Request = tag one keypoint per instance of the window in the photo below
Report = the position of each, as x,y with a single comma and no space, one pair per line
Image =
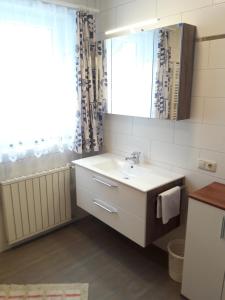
129,68
37,78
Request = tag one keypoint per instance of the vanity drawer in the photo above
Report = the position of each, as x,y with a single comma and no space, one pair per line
113,215
114,193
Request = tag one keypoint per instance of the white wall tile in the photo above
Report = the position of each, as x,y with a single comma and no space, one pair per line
209,20
187,133
169,7
195,179
168,20
135,11
92,3
199,82
209,83
107,4
197,108
214,111
200,135
118,124
109,142
212,137
125,144
106,20
160,164
215,86
153,129
216,54
177,155
201,55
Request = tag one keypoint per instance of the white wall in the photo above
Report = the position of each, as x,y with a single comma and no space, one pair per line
88,3
177,145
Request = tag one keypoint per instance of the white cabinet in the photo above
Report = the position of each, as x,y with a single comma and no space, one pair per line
128,210
121,207
204,260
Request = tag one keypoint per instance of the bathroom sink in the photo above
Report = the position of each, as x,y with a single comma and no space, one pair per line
124,169
143,176
118,167
111,164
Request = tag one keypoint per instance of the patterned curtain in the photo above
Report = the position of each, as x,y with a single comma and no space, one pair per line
163,76
91,85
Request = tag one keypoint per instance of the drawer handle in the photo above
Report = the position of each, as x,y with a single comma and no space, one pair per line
103,182
111,211
222,233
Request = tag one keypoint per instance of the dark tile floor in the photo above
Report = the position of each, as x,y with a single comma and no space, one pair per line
89,251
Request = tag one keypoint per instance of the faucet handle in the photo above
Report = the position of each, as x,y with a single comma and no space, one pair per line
134,157
136,154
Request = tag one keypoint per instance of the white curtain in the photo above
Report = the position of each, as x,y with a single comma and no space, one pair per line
37,78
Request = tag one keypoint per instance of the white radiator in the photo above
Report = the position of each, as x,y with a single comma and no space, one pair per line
36,203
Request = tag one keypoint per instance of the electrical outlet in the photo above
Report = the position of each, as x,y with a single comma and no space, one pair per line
207,165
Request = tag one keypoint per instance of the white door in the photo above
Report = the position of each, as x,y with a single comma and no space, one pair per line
204,260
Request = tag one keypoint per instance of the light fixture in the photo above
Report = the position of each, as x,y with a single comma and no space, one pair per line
132,27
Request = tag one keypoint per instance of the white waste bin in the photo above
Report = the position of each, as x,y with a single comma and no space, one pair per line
176,258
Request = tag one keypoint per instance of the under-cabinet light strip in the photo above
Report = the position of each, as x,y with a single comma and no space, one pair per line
132,26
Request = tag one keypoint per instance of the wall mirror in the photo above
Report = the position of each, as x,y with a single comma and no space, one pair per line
150,72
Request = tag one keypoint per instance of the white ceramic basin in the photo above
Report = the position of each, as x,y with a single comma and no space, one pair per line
143,176
120,168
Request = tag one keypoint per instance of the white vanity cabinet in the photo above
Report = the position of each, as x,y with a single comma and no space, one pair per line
121,207
124,198
204,259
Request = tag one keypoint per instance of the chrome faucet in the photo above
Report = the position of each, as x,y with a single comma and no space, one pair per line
134,157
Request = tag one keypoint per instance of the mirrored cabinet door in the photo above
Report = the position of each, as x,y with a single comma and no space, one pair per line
129,63
150,73
166,73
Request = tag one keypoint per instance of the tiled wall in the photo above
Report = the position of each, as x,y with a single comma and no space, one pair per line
177,145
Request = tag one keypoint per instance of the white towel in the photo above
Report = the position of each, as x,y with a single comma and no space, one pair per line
168,204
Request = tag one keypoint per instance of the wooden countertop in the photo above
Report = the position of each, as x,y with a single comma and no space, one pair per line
212,194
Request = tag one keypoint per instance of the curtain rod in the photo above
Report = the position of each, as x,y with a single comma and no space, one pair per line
70,5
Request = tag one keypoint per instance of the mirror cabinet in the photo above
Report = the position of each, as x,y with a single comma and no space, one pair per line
150,72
